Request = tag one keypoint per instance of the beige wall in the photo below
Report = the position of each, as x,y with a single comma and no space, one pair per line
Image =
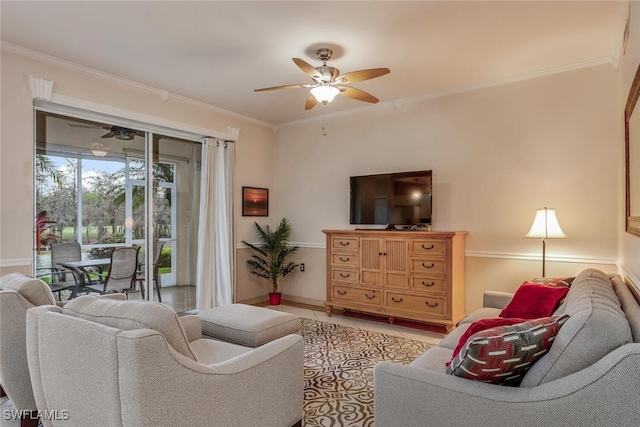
629,244
255,148
497,154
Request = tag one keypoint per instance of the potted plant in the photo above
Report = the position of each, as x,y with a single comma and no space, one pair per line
272,258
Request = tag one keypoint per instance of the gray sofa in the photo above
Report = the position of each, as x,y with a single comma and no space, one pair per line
589,377
133,363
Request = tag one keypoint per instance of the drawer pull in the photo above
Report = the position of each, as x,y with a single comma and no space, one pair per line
344,244
344,259
429,305
396,300
428,266
341,292
344,276
428,248
370,297
428,284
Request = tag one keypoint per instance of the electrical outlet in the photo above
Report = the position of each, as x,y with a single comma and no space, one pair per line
302,266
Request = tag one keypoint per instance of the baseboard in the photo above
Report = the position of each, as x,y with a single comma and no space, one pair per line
303,300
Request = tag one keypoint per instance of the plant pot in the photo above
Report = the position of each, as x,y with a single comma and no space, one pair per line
275,298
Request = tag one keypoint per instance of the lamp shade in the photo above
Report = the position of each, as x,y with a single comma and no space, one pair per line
325,93
545,226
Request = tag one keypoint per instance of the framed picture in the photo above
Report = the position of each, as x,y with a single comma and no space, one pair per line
255,201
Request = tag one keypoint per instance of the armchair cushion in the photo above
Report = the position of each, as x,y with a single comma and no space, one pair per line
131,315
33,290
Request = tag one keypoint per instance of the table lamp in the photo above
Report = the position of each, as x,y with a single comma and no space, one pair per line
545,226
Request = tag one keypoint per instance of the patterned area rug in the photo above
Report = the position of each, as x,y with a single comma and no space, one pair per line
338,371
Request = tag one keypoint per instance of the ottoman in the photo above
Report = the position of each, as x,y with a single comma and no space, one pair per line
247,325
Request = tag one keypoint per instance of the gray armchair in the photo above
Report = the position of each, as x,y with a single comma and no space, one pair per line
18,293
151,368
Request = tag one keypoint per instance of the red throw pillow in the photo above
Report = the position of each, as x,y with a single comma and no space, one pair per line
482,325
532,301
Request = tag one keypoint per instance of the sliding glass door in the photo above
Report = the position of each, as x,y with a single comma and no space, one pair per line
91,188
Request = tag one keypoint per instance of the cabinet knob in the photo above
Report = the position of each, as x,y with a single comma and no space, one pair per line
344,243
396,300
432,306
370,297
342,292
344,259
344,276
428,284
428,266
428,248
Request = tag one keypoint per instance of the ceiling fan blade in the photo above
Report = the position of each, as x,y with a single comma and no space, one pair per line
109,135
362,75
360,95
307,68
311,102
281,87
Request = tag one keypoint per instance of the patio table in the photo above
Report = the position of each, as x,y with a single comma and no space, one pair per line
79,269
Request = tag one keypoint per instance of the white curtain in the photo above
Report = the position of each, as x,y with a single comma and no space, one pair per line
215,269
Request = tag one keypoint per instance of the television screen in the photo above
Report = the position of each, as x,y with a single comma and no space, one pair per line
402,198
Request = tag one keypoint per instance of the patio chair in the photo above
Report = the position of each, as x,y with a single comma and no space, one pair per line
122,273
140,277
61,278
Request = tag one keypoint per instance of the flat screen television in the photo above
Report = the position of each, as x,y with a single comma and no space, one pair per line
402,198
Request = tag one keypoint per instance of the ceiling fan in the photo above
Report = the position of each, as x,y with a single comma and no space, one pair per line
118,132
328,82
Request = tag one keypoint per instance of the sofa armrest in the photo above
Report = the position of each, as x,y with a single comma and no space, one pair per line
407,396
495,299
192,326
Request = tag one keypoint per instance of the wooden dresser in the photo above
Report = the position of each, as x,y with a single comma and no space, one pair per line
415,275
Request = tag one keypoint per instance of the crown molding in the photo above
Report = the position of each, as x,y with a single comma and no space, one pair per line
398,103
163,95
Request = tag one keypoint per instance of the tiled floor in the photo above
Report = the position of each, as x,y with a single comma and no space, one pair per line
364,324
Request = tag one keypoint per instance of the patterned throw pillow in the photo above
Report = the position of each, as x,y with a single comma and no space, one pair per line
532,301
553,281
481,325
503,355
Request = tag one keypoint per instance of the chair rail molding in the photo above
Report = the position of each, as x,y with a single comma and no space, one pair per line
15,262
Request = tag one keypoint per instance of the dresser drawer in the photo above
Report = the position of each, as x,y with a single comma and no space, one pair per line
427,284
428,266
344,244
430,306
428,247
357,295
344,275
344,259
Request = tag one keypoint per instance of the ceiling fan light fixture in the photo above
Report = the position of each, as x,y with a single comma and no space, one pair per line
99,153
325,93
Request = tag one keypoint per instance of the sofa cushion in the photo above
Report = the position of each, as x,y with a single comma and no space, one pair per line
532,301
482,325
503,354
597,326
434,359
33,290
131,315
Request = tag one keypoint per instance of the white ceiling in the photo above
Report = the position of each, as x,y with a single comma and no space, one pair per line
218,52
